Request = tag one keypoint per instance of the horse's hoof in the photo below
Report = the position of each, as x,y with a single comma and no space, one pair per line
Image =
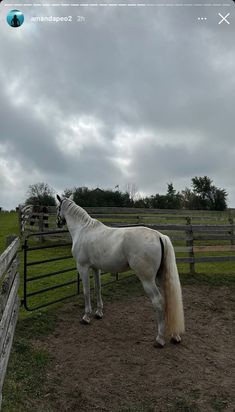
158,345
84,322
98,316
175,341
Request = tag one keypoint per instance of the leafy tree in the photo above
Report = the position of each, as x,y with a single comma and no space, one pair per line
211,197
202,187
173,200
158,201
218,199
170,190
85,197
140,202
204,195
190,200
40,194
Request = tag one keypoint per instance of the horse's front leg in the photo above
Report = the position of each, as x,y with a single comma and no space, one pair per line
84,272
99,311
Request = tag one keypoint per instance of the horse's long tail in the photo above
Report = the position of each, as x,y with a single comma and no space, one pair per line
172,290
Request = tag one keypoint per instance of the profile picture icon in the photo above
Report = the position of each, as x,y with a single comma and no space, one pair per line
15,18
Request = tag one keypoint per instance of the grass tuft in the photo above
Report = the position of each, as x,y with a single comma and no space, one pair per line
26,375
38,325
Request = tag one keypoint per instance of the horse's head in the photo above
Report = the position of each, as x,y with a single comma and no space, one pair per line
60,216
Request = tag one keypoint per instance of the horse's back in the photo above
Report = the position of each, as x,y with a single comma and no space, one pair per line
141,236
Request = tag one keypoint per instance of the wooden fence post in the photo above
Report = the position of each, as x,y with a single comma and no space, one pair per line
189,243
41,227
9,304
231,221
18,209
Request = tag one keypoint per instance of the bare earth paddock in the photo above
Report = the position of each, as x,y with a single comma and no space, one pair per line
112,365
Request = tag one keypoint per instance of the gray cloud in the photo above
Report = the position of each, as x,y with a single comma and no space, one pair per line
142,95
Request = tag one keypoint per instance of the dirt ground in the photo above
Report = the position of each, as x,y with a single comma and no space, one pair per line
111,365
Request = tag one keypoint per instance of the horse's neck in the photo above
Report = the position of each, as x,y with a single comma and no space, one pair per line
75,222
72,225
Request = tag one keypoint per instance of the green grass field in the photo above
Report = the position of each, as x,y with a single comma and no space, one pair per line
8,226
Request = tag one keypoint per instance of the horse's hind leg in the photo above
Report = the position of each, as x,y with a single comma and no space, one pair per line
158,303
99,311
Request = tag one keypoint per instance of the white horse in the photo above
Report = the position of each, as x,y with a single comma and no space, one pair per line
147,252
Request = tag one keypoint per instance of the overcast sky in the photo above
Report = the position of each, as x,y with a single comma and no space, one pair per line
140,95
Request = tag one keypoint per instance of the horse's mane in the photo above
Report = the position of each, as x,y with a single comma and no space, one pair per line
78,213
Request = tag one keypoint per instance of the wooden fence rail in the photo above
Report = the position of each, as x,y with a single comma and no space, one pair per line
192,227
191,234
9,304
40,218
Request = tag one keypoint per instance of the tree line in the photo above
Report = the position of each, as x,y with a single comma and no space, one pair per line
202,195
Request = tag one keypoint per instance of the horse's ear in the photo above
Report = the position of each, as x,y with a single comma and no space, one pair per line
58,198
71,196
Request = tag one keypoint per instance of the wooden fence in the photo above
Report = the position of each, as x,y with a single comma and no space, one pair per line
198,235
33,220
196,241
191,234
9,304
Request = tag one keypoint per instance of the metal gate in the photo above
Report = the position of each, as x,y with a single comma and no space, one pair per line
45,275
